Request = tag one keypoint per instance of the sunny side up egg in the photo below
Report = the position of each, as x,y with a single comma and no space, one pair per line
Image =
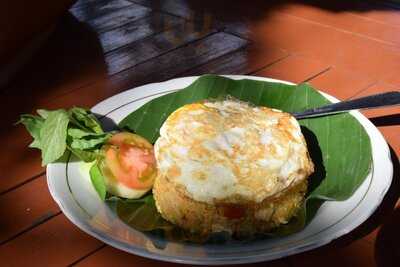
231,152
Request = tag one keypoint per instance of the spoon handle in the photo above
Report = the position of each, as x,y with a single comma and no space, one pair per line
367,102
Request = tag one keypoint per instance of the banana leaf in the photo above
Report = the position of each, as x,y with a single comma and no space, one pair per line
338,144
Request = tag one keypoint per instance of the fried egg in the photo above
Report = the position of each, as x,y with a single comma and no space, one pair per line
231,152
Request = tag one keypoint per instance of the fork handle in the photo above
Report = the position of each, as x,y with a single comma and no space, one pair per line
367,102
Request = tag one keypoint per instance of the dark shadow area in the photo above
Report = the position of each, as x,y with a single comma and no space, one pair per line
106,123
316,155
387,249
384,213
237,10
319,172
247,20
70,58
313,206
387,120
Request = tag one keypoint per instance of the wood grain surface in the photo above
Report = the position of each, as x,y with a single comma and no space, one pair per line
103,47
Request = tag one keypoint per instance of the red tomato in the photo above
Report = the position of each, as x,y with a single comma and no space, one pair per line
129,138
131,161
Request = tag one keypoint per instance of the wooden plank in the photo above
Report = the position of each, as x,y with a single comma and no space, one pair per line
380,11
54,69
56,242
371,19
244,61
68,49
327,44
109,256
342,83
347,21
92,94
178,61
88,10
85,2
392,78
25,207
118,17
137,30
136,53
19,164
357,253
232,17
179,8
294,69
73,45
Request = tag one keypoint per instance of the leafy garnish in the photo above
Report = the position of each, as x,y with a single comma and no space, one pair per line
33,124
56,131
97,179
84,120
53,136
89,142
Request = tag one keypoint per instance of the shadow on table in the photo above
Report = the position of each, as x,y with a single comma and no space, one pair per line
245,11
387,249
388,218
248,19
240,17
385,211
388,120
70,58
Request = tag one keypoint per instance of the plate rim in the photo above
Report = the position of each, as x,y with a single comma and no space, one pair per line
252,259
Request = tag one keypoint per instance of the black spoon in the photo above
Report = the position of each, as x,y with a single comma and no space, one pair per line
367,102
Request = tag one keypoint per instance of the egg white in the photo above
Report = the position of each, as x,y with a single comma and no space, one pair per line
229,151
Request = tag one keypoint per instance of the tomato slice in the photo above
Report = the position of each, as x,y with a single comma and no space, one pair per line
128,176
129,138
136,158
131,161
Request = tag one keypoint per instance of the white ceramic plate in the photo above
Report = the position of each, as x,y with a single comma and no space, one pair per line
72,190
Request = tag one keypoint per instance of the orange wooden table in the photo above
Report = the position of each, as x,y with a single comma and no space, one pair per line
345,48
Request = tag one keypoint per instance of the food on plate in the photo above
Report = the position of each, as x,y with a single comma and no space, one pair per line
230,166
217,165
128,166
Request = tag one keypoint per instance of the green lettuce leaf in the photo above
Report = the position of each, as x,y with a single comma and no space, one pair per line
55,131
53,136
89,142
76,130
98,181
43,113
33,124
86,156
85,120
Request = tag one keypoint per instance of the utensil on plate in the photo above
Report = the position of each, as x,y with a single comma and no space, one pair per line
367,102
